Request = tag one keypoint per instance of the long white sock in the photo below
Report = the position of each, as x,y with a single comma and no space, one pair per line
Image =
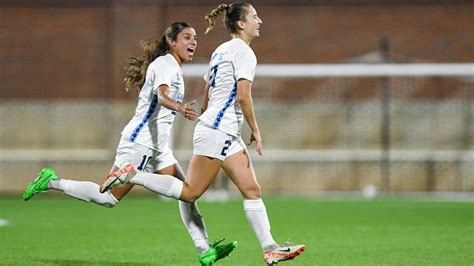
194,222
257,217
165,185
83,190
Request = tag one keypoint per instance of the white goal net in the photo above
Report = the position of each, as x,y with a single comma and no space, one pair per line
344,127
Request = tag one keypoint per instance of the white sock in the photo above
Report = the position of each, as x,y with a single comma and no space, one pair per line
194,222
257,217
83,190
165,185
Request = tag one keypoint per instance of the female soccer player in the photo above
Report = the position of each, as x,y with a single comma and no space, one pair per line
158,78
227,101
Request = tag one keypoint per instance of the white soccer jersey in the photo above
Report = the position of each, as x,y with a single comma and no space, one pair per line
231,61
151,124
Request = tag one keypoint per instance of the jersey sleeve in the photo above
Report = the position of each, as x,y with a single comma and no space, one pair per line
163,74
245,63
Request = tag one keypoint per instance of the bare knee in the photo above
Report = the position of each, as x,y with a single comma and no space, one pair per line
188,198
190,195
252,192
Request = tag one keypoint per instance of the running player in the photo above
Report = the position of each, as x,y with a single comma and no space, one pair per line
227,101
158,78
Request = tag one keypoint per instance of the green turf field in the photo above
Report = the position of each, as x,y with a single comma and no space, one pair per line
148,231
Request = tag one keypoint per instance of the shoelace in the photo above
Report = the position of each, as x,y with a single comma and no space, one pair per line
216,242
287,243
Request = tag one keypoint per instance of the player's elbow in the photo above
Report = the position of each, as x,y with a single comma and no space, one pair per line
161,99
245,100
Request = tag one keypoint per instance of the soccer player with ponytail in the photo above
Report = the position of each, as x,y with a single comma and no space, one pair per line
227,101
158,79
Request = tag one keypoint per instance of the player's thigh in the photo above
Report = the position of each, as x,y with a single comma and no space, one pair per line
201,172
239,168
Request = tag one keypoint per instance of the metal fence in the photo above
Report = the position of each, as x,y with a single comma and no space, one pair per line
322,133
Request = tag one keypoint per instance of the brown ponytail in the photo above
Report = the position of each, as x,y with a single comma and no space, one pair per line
211,17
136,66
233,13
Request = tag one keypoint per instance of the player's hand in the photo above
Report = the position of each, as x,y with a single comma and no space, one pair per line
188,111
255,136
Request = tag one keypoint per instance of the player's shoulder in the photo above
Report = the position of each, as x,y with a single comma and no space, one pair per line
164,64
237,48
166,61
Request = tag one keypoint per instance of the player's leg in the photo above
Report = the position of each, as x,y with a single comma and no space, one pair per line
88,191
190,214
127,151
194,223
83,190
239,168
201,172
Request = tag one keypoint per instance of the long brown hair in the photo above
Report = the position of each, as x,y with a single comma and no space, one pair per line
136,66
232,13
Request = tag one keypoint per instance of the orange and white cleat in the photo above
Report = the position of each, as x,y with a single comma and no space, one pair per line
282,253
118,178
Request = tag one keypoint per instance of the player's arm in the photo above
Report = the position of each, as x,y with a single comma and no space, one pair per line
205,98
165,100
244,91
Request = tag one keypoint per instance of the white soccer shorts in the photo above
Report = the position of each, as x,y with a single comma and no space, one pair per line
214,143
143,158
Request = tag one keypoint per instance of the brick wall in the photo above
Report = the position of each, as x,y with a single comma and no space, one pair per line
75,49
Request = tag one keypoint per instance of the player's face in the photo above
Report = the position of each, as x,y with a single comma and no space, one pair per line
185,45
252,23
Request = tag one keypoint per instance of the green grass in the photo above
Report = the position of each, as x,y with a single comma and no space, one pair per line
148,231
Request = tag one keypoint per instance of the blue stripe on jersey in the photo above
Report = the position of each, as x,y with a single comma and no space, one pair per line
227,104
149,113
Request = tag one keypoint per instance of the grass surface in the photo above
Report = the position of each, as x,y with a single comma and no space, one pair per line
148,231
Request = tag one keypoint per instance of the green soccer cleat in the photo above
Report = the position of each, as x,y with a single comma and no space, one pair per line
40,184
216,252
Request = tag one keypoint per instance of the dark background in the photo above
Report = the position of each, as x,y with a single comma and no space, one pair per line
76,49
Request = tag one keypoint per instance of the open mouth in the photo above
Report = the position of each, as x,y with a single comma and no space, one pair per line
191,50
